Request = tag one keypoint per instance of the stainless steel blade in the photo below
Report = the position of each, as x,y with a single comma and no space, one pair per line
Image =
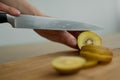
48,23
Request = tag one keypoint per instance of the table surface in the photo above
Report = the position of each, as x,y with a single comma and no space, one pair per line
32,62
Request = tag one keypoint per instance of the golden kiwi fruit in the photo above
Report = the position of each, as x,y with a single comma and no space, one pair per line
90,63
98,53
68,64
91,53
99,49
88,38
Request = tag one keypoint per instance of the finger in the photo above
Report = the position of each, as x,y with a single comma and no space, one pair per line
9,10
68,39
63,37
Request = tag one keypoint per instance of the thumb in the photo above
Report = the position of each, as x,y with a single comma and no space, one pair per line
9,10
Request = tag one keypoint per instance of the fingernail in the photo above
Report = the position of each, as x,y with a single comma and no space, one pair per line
17,12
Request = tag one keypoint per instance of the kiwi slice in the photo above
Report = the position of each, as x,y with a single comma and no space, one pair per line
68,64
98,53
88,38
95,56
97,49
90,63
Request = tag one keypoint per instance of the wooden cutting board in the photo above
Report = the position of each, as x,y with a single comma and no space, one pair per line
39,68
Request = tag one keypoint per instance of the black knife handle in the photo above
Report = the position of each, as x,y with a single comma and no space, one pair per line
3,18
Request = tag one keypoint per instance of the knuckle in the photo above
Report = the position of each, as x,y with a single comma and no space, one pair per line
10,9
1,6
5,8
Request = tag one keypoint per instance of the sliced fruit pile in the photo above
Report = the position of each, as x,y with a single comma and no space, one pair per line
97,53
91,53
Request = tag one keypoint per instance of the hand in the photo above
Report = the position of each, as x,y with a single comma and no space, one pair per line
9,10
68,38
65,37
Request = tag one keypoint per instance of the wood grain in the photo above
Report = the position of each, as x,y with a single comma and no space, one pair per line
39,68
20,52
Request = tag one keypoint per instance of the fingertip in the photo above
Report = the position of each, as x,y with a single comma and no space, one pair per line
73,44
16,12
69,40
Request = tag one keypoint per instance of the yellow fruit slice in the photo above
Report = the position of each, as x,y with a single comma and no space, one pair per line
98,53
97,49
88,38
96,56
68,64
90,63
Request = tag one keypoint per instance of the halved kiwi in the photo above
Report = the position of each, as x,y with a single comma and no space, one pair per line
88,38
68,64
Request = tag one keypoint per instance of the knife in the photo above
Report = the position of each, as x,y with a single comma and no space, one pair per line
45,23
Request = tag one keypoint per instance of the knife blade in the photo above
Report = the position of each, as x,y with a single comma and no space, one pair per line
47,23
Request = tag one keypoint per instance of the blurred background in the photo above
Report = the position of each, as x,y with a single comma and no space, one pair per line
103,13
